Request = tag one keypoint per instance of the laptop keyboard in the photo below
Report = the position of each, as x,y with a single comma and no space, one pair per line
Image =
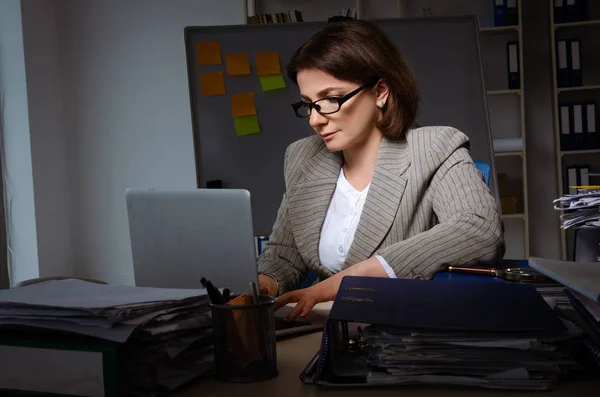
280,324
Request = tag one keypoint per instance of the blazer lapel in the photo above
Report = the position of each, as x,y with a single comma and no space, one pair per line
309,201
385,192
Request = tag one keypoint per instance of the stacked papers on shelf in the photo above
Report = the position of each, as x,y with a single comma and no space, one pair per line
581,209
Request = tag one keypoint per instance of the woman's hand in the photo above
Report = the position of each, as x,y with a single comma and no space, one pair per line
326,290
266,285
307,298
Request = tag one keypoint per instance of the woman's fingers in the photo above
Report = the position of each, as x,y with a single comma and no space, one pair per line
285,299
296,310
308,306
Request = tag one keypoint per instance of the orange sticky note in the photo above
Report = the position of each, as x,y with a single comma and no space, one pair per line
212,83
237,64
243,104
209,52
267,63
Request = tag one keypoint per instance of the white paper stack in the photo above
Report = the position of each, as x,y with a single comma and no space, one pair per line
581,209
165,335
498,361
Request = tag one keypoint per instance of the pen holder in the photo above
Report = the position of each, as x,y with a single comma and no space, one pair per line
244,341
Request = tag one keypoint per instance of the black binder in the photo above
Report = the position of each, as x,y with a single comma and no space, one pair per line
560,11
438,305
513,65
576,10
576,77
563,63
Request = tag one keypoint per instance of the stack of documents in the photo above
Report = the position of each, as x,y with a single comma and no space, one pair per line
491,360
581,209
164,336
582,282
406,332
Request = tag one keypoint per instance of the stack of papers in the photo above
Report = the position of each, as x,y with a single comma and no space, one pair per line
581,209
582,282
517,361
165,334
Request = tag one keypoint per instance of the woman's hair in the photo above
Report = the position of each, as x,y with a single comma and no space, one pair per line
362,53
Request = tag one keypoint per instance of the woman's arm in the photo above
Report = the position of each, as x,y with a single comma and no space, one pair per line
469,230
280,265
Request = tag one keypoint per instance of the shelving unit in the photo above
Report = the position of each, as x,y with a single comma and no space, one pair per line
506,106
588,32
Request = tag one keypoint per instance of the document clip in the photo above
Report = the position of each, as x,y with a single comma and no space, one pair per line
351,299
359,289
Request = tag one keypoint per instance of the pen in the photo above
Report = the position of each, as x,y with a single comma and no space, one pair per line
213,293
254,292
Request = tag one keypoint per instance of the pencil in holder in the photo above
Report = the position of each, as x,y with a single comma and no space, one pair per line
244,341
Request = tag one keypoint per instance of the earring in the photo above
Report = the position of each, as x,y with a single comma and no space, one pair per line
380,104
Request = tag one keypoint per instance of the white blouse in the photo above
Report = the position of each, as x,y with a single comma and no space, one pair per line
340,226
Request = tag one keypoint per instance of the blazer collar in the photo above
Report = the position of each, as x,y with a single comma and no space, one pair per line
310,198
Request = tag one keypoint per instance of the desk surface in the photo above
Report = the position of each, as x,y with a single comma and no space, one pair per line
293,355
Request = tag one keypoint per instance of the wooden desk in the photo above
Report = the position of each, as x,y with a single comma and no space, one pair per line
293,355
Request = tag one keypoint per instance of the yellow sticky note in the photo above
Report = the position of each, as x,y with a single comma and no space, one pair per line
243,104
212,83
209,52
237,64
269,83
267,63
246,125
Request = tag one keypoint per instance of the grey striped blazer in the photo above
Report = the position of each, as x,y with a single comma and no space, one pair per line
427,206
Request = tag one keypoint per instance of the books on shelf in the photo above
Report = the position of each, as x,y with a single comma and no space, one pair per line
291,16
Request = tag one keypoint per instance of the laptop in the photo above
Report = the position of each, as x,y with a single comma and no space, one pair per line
179,236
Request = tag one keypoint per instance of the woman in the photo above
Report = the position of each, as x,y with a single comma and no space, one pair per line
369,194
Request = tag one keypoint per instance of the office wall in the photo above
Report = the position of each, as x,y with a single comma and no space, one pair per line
44,67
127,114
23,254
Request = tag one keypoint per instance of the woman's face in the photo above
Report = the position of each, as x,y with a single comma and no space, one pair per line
354,123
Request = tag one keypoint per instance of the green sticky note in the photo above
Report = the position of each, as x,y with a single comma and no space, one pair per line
272,82
246,125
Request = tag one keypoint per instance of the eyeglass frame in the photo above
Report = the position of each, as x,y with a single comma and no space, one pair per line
341,100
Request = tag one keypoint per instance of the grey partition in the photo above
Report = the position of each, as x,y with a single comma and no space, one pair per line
442,51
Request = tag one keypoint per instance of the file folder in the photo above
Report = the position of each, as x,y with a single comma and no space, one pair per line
562,64
576,78
438,308
512,13
565,118
584,175
590,118
499,12
560,11
512,57
578,138
592,136
572,176
576,10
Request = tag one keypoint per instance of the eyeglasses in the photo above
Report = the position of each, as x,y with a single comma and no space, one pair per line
324,106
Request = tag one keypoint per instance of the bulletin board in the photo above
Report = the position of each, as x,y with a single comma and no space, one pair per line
240,97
